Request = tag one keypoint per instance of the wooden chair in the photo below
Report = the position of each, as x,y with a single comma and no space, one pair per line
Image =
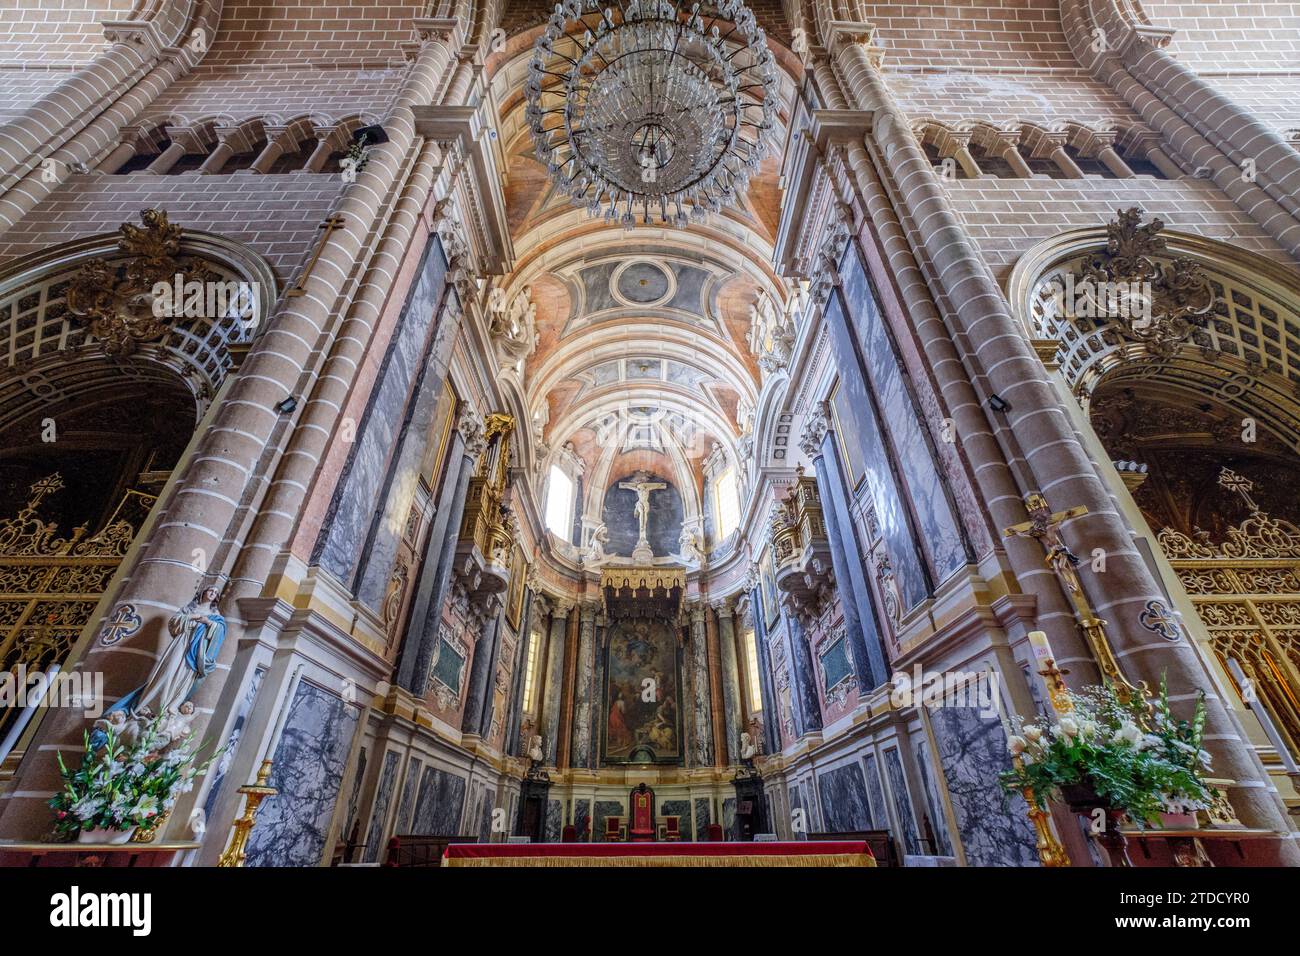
715,833
615,830
672,829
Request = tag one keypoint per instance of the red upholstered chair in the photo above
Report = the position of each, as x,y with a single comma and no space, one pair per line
570,834
615,831
672,828
715,832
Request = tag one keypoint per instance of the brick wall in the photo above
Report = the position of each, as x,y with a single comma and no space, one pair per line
312,31
952,96
1006,217
277,216
55,31
20,87
290,91
1226,35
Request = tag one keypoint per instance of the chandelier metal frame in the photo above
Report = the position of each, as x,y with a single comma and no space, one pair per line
648,108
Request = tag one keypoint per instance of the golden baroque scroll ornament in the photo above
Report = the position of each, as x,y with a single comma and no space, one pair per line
1175,290
115,298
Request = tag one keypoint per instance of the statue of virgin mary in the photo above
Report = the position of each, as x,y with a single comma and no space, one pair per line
197,631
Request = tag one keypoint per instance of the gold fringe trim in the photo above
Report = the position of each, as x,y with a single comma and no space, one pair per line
799,859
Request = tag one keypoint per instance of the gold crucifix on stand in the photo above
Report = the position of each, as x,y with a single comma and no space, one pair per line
1045,526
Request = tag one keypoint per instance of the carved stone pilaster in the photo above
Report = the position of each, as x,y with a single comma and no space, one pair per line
815,427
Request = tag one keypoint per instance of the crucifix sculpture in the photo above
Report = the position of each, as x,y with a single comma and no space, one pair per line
642,485
1045,526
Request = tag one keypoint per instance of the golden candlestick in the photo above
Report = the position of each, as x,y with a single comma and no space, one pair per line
254,793
1050,851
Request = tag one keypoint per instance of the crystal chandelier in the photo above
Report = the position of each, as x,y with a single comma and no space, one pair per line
647,108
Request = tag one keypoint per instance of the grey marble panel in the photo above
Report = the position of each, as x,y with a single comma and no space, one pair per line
902,801
844,799
681,809
554,821
865,453
307,770
703,817
383,795
236,731
935,516
582,819
798,830
485,816
729,818
933,803
604,810
875,793
410,788
352,509
993,828
439,805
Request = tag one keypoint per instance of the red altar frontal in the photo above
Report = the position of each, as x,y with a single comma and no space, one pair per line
838,853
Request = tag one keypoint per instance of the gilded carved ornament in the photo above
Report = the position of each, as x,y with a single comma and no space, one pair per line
115,298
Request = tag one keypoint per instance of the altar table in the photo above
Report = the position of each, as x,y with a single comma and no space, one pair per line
838,853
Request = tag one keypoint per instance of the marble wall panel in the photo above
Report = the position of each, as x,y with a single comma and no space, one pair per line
993,828
310,760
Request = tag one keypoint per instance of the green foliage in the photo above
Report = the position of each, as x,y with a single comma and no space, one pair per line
1137,756
121,786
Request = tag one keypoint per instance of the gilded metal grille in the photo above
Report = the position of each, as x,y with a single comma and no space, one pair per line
1247,593
50,584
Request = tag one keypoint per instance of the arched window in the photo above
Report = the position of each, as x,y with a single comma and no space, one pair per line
727,502
749,649
530,672
559,503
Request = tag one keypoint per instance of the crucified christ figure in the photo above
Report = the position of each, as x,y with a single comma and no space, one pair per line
642,485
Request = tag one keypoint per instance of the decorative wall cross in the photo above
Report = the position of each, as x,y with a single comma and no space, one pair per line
329,225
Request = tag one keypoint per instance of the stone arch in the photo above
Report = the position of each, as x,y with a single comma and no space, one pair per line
1245,353
47,353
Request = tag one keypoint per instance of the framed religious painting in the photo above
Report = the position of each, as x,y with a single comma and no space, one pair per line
515,596
853,464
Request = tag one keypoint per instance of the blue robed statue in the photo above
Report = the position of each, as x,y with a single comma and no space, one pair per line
197,631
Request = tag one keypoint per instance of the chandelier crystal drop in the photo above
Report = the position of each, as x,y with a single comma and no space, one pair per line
651,110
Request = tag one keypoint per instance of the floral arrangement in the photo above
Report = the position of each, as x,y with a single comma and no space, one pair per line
1132,754
128,781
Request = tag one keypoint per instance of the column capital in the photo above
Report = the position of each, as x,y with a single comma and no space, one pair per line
447,30
722,607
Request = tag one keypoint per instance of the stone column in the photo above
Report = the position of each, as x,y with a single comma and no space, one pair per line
771,713
584,708
1000,355
325,148
701,693
478,693
553,682
717,709
168,158
567,690
803,678
730,676
277,144
1112,161
221,153
435,573
818,443
119,157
